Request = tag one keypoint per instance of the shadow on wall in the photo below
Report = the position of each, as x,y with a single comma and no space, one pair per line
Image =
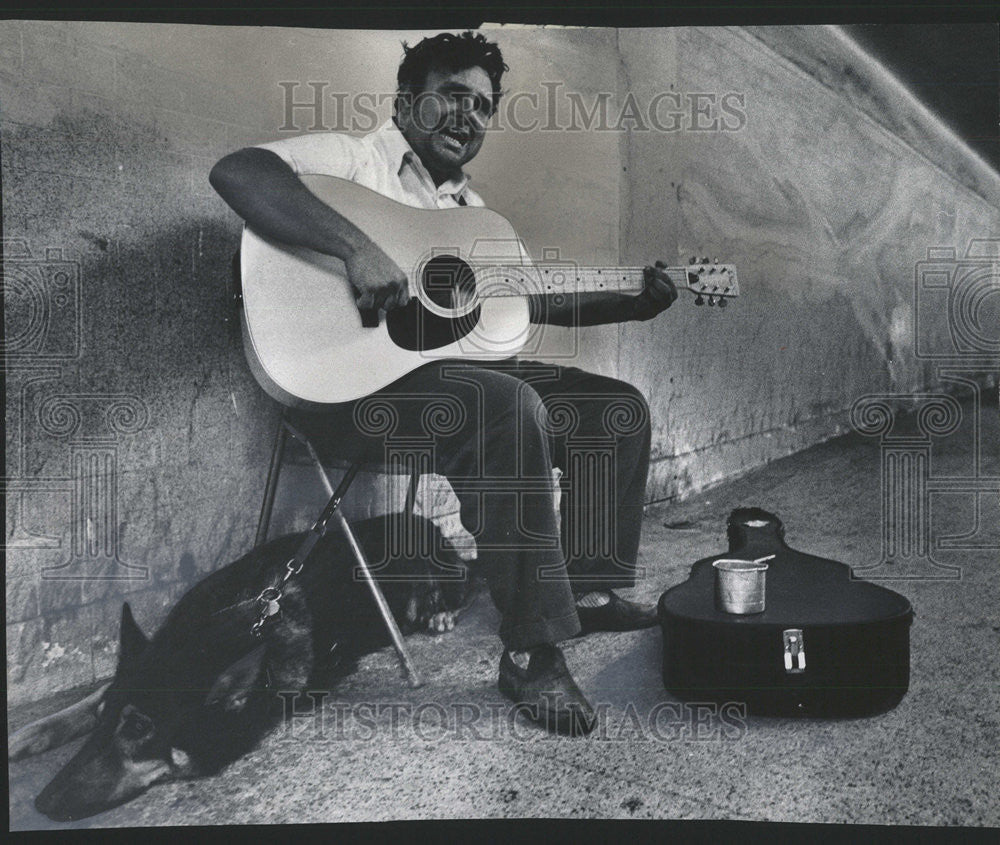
137,460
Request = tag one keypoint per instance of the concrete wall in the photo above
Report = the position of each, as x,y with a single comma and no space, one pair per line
826,199
137,442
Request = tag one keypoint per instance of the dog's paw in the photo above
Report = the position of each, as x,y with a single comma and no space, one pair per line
30,740
439,623
425,611
49,732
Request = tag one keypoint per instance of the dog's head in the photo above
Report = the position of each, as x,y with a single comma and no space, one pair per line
149,722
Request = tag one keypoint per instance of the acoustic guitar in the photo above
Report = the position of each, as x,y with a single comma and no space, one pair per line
469,276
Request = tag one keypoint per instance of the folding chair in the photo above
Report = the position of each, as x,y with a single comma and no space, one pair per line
332,508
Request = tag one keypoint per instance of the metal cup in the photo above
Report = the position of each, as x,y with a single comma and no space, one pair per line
739,585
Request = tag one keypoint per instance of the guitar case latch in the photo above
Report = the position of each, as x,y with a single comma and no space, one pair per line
795,650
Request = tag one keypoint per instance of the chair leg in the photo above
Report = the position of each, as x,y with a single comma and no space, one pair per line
359,555
411,493
274,471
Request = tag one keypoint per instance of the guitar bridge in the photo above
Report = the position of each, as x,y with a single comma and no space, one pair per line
795,650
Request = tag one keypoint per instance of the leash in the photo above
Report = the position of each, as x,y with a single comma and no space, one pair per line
269,600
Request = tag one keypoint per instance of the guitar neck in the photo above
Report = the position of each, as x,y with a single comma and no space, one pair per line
516,280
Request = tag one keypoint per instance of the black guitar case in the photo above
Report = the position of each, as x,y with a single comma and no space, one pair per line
825,645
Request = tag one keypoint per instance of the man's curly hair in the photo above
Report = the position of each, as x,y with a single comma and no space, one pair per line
450,52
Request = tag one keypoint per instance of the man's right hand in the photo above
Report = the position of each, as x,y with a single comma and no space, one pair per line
377,280
264,191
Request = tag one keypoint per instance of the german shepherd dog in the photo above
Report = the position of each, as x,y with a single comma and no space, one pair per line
202,691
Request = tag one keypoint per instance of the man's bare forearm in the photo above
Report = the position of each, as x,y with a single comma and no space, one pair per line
581,309
266,193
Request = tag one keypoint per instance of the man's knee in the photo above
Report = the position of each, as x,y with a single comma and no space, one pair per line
531,407
626,412
507,402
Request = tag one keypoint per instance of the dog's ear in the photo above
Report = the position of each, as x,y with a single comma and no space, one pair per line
235,683
132,640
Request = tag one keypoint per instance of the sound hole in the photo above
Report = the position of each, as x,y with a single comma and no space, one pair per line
449,283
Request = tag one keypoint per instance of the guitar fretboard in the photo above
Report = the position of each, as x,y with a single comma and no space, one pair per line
515,280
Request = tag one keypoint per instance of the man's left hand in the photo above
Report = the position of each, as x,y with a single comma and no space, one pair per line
658,294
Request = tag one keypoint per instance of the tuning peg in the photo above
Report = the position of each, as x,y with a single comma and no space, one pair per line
722,302
704,260
698,300
711,301
694,259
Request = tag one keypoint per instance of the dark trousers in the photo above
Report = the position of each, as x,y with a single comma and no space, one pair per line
495,431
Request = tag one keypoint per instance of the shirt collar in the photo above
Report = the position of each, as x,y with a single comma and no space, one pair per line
398,149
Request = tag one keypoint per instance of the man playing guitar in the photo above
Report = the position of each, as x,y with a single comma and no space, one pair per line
449,87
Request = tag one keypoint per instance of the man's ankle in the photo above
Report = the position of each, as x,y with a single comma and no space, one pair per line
521,657
592,598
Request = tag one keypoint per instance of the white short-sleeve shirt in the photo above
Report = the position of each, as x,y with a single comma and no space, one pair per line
382,161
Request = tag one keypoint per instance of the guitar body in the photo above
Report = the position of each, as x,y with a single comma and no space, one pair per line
469,279
303,334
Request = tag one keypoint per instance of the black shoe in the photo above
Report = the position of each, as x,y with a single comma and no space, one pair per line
617,615
552,697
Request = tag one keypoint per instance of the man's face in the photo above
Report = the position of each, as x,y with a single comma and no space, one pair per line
446,123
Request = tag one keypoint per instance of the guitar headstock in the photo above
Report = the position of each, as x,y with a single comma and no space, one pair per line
711,281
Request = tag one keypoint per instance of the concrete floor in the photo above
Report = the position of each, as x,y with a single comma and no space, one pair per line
930,761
